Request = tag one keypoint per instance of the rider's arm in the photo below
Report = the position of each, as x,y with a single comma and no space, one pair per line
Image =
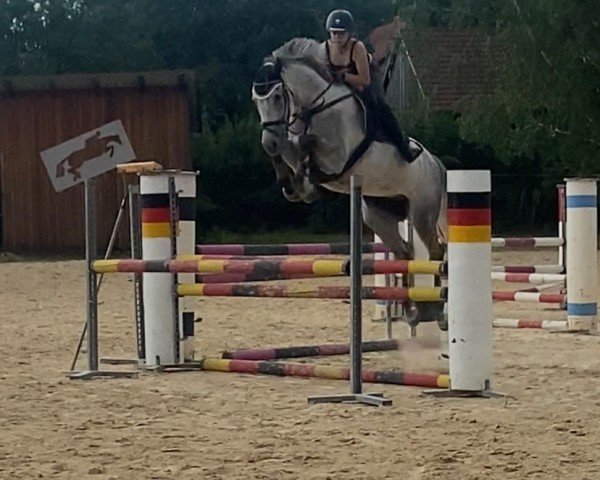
361,59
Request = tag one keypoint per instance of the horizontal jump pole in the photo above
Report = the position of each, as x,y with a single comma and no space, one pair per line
288,249
274,353
318,268
525,243
250,277
290,369
538,278
556,325
258,257
542,288
528,297
344,248
552,269
414,294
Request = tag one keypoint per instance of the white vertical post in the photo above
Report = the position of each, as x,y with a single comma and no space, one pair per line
470,310
582,251
562,224
161,337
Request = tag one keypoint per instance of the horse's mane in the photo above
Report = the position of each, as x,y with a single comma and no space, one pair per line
306,51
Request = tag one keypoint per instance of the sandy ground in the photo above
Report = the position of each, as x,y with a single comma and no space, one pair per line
205,425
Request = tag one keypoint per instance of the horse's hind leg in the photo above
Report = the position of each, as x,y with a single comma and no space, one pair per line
424,219
383,215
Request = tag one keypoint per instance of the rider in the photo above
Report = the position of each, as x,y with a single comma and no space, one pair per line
349,62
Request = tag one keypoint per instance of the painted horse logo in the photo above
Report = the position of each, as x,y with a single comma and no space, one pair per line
95,146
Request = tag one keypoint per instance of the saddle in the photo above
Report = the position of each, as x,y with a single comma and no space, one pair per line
376,131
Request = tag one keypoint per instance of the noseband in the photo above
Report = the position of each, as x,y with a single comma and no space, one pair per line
270,87
288,119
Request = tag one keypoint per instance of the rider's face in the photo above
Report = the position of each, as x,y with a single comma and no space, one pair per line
338,37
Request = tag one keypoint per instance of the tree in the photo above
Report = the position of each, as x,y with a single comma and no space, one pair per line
545,110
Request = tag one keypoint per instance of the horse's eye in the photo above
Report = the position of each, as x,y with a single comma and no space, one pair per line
277,97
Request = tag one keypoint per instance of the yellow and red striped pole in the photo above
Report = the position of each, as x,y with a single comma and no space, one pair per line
293,369
470,309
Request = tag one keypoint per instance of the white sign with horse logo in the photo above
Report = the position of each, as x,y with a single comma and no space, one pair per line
87,155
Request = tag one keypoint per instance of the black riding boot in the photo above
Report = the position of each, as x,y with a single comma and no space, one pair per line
390,124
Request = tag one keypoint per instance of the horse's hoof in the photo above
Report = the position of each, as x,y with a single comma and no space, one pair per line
411,316
443,324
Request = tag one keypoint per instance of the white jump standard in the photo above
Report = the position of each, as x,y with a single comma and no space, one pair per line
470,308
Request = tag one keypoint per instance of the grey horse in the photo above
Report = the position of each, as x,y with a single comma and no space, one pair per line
319,130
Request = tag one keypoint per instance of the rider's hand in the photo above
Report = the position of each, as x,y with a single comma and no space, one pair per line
338,77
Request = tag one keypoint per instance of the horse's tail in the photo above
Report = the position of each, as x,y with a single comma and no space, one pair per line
442,221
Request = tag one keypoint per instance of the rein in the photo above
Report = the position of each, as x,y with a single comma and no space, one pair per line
306,115
283,120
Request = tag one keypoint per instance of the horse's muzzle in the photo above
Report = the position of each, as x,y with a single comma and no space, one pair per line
271,142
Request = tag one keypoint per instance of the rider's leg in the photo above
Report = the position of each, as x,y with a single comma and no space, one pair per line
388,120
390,124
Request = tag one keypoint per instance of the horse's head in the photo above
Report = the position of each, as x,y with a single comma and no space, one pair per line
273,105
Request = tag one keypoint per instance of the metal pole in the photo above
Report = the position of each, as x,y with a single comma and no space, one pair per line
356,395
90,255
135,233
174,226
92,286
356,286
109,249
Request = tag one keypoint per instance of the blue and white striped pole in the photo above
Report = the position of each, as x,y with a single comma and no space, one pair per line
582,248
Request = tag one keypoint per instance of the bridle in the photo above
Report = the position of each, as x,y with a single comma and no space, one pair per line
306,114
318,105
284,118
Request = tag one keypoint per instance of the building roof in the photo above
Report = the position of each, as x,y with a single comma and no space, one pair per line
184,79
382,38
451,65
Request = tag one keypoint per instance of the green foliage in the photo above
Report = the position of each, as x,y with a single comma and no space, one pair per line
545,112
237,191
541,123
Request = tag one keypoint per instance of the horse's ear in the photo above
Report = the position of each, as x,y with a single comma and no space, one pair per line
273,62
278,66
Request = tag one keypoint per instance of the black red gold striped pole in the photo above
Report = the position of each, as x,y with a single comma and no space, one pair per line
168,200
470,314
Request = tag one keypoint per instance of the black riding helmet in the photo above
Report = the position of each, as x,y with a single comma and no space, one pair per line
339,21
